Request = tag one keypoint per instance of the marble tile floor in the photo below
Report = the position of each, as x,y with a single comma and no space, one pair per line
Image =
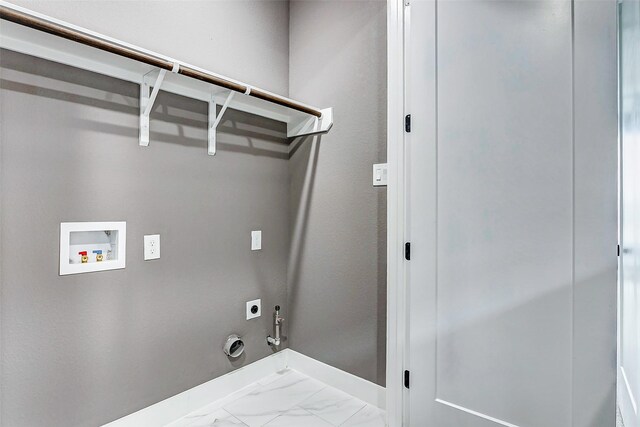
286,399
619,422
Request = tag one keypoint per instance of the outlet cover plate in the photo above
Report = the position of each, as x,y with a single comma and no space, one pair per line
151,247
250,304
256,240
380,172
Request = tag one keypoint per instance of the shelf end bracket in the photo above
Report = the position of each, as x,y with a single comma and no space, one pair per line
310,125
214,121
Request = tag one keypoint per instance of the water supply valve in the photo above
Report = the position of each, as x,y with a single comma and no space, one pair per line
85,258
99,256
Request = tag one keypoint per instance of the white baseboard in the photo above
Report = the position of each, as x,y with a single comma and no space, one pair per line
175,407
349,383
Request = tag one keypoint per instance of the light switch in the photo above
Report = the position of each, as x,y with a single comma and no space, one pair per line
151,247
256,240
380,175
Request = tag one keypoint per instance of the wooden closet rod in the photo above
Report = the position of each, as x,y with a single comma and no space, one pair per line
98,43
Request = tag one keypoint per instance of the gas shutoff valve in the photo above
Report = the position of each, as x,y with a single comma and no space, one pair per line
275,341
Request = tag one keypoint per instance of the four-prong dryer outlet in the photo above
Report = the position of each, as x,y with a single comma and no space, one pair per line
254,309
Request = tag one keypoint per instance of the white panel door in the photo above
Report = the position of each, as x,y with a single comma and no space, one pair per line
629,350
511,213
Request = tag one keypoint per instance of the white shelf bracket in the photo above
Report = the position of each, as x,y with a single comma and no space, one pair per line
214,121
311,125
147,99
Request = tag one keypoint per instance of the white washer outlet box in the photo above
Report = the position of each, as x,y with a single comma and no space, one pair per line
254,309
256,240
151,247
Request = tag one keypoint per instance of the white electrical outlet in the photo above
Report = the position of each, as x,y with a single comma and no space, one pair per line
254,309
256,240
151,247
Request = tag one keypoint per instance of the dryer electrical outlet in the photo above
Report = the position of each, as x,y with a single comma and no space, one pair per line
254,309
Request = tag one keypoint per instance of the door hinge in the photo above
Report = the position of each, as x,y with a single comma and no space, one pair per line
406,378
407,251
407,123
618,250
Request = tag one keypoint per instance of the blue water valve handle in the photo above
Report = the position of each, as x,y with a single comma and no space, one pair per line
99,256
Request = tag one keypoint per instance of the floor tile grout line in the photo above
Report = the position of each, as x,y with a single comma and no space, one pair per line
360,410
242,423
262,386
338,425
315,415
349,397
289,410
284,411
217,405
196,419
314,394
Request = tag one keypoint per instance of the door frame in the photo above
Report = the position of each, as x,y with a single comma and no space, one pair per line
625,397
396,232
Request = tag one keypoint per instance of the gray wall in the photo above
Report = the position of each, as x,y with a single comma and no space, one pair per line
86,349
337,270
246,40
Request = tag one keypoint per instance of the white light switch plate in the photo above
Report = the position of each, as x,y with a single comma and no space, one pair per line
380,175
256,240
250,304
151,247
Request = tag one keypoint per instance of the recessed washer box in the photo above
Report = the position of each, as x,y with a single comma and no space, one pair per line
92,246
